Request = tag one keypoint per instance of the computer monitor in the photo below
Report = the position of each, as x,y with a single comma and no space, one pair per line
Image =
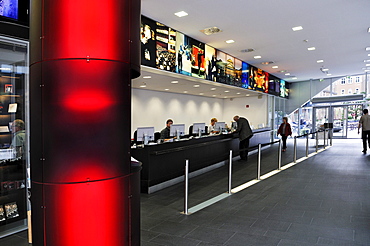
199,126
219,126
142,131
174,128
234,125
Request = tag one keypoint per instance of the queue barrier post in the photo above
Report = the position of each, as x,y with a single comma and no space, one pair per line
307,145
186,211
295,150
259,163
230,170
279,155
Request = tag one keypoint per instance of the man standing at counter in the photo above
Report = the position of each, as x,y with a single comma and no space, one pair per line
165,133
245,133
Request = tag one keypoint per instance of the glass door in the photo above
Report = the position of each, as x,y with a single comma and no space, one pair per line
340,121
321,116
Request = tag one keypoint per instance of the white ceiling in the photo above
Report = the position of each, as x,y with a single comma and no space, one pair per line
338,29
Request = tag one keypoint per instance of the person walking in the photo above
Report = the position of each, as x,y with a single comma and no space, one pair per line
284,130
364,123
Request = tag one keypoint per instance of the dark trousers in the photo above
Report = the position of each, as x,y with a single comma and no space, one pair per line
243,149
365,138
283,138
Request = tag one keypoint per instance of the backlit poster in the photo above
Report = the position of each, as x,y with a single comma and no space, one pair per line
229,70
221,66
245,75
165,45
258,80
274,86
183,54
238,72
198,68
210,60
283,89
148,43
9,8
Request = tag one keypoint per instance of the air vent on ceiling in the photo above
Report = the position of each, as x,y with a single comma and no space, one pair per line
247,50
211,30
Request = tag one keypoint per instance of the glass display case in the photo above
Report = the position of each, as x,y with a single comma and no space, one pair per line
14,158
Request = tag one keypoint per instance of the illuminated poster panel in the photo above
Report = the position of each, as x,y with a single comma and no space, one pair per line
221,67
166,45
245,75
9,8
210,59
198,68
258,80
183,54
229,70
284,89
274,86
238,72
148,43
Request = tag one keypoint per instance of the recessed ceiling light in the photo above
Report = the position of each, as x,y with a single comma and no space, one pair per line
247,95
275,66
225,97
368,30
320,61
212,89
213,95
297,28
311,48
266,63
367,65
329,74
201,93
185,91
227,91
325,69
181,14
257,57
294,78
368,54
147,77
211,30
142,86
166,89
366,60
174,82
196,85
230,41
238,93
287,74
367,70
282,71
367,48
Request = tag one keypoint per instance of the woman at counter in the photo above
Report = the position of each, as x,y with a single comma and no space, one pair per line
211,127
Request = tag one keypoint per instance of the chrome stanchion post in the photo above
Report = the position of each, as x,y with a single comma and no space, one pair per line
331,136
295,150
317,141
259,163
324,138
279,155
307,145
186,211
230,169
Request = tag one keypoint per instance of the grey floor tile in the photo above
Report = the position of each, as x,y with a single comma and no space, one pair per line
242,239
210,235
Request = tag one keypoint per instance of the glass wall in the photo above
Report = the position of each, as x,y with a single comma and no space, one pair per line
14,158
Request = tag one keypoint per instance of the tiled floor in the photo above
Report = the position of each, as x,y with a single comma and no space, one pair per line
324,200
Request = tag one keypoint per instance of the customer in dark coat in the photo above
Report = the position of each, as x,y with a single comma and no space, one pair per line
284,130
245,133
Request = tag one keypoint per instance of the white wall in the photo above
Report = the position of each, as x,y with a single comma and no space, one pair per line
256,113
152,108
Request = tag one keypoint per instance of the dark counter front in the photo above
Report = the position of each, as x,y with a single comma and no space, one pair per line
165,162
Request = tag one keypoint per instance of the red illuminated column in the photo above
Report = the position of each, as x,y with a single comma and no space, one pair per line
83,56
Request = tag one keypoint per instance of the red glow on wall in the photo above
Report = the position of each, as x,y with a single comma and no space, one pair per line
88,213
88,101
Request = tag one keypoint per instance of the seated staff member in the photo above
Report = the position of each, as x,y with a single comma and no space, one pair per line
211,127
165,133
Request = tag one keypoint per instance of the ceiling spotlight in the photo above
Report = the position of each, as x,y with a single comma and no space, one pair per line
367,48
324,69
201,93
174,82
257,57
196,85
368,30
166,89
329,74
297,28
185,91
212,89
147,77
320,61
275,67
143,85
230,41
282,71
287,74
238,93
366,60
311,48
267,63
227,91
294,78
247,95
181,14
